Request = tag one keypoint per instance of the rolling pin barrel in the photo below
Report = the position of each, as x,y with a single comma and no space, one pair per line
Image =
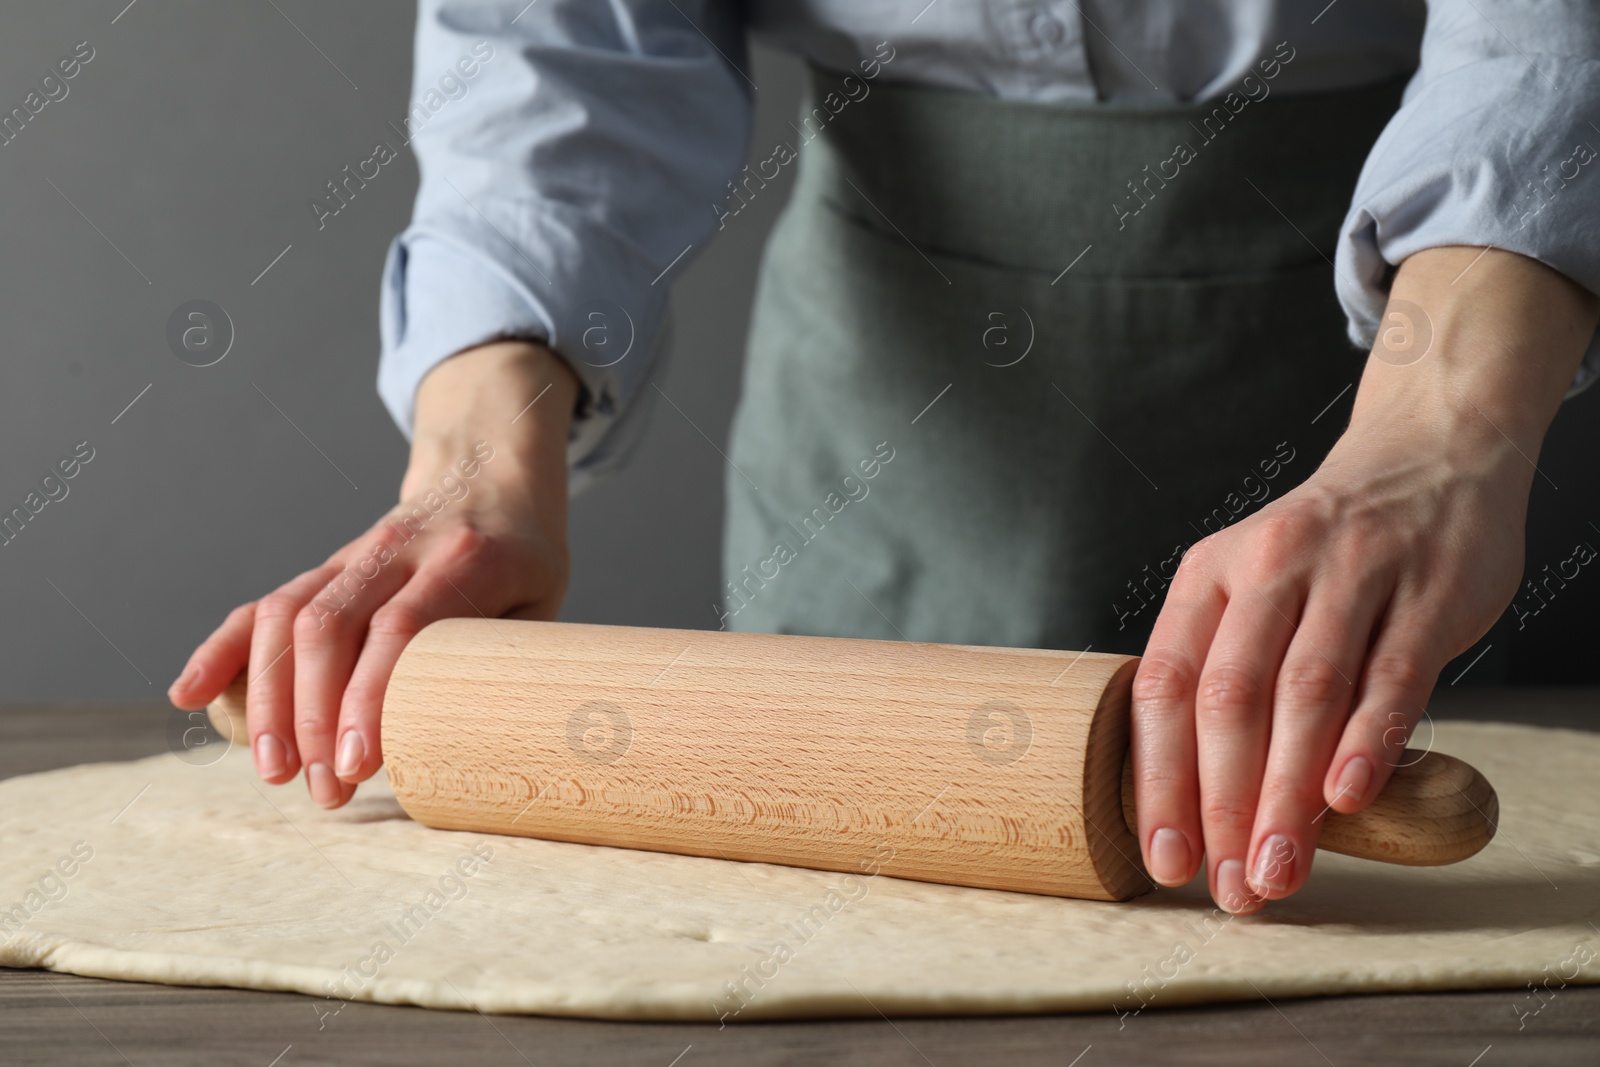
999,768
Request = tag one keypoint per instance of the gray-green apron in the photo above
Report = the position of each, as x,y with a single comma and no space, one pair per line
1008,359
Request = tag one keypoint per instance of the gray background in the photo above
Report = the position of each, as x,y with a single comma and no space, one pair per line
192,142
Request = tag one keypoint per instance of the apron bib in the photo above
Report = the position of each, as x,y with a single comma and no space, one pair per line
1008,360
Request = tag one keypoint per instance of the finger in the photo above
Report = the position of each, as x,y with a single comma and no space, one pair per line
269,699
454,585
1311,703
213,666
1233,725
328,632
1166,785
1391,698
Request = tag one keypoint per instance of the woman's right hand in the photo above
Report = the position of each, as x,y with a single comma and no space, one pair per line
480,532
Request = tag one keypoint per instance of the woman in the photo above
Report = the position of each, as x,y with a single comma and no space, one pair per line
1048,310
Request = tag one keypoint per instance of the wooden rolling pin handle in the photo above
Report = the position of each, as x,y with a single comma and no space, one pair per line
227,712
1434,810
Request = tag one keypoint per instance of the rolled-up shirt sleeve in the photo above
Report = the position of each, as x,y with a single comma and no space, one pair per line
1495,144
564,181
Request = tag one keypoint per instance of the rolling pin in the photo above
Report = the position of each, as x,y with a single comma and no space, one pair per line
1000,768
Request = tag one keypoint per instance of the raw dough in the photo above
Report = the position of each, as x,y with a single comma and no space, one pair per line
162,871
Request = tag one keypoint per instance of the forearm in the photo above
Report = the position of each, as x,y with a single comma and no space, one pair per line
1504,336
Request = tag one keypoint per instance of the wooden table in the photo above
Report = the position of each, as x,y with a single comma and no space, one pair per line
48,1018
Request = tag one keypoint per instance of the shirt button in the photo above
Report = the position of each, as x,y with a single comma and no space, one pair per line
1047,29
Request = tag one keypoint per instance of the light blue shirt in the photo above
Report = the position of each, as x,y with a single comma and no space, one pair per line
576,154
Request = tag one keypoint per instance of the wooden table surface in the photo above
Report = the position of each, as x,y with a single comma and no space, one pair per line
48,1018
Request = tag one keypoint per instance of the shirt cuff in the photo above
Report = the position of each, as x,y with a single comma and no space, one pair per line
441,295
1490,154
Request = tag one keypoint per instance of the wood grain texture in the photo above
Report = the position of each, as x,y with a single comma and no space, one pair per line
990,767
57,1020
1435,809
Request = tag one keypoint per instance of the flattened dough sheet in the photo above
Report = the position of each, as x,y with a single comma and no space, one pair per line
163,871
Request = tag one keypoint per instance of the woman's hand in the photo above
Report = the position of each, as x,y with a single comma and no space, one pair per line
1297,649
480,530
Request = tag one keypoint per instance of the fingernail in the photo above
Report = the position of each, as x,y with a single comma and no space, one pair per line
352,750
1354,780
1274,863
270,756
1232,892
185,680
1169,856
324,786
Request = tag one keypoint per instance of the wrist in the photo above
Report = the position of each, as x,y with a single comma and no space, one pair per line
514,398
